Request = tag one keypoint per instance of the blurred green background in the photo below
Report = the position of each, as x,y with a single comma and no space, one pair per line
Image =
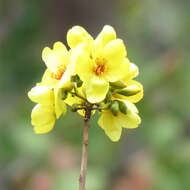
156,156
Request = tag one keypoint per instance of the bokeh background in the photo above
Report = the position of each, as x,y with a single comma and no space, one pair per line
156,156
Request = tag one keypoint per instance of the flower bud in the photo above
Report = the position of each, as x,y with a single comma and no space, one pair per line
77,80
64,94
129,91
114,107
108,97
118,84
122,107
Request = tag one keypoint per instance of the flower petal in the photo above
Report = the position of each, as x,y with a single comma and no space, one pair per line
47,80
96,90
133,72
60,106
42,95
56,57
115,50
84,66
131,119
77,35
109,124
117,70
106,35
43,118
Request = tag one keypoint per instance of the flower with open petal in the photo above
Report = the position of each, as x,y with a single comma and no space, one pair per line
102,62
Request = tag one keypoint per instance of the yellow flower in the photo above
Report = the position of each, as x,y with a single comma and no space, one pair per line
100,62
112,125
55,76
43,118
56,60
47,93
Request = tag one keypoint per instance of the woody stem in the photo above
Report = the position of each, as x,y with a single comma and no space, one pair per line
84,160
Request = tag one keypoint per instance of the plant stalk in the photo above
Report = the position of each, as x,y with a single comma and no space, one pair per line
84,160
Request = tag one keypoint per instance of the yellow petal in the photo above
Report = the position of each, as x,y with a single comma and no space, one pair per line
96,90
65,81
106,35
77,35
56,57
84,66
131,119
109,124
59,47
70,100
134,98
43,118
133,72
117,70
60,106
44,128
47,79
42,95
115,50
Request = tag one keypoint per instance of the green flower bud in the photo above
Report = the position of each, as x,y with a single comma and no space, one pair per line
64,94
114,107
79,83
129,91
122,107
77,80
108,97
118,84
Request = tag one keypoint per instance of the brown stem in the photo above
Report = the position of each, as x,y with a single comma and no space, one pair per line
84,160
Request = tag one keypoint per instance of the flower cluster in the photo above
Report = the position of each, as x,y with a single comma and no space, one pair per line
94,75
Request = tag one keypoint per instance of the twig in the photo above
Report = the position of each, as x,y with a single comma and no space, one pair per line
84,160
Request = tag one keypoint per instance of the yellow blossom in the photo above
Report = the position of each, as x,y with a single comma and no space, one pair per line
57,61
112,125
102,62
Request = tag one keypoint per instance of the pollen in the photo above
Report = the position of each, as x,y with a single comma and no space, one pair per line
100,67
58,73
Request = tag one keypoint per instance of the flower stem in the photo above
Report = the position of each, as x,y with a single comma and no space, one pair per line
84,160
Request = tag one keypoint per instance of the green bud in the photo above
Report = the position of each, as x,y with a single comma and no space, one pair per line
74,78
64,95
108,97
77,80
118,84
79,83
114,107
129,91
122,107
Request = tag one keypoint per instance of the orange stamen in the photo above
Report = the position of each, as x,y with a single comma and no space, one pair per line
100,66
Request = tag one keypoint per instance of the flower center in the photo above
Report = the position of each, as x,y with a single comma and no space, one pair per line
58,73
100,67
